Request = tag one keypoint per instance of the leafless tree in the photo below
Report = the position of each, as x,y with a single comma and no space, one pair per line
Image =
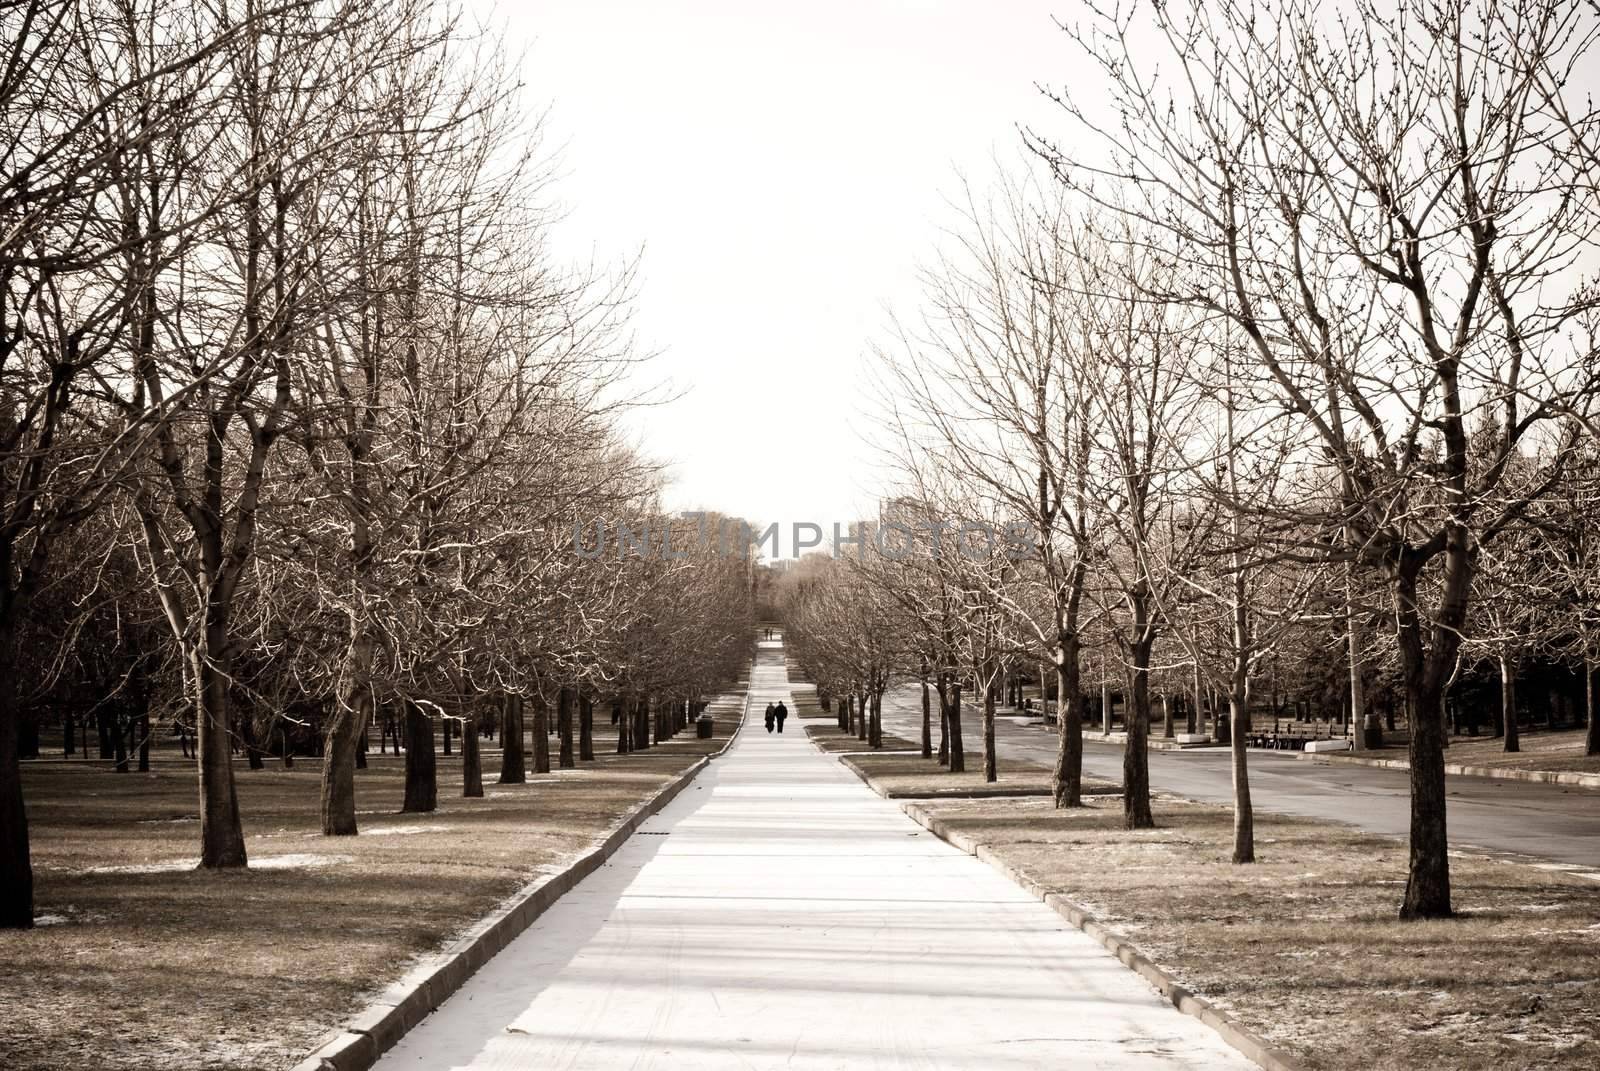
1378,204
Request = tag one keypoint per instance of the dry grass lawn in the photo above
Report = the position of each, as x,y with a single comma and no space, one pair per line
1304,946
1540,751
830,739
144,962
903,776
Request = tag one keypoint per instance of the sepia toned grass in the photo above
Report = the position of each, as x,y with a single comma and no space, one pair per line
903,776
1540,751
830,739
144,962
1304,946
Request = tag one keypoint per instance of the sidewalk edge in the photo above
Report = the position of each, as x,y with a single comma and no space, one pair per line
1185,1000
1567,778
421,990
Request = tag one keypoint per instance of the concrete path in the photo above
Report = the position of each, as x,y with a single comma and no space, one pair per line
1552,822
779,914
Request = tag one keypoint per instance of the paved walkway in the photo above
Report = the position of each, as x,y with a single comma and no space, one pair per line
779,914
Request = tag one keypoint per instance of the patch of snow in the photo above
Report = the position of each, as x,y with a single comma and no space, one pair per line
294,860
401,831
50,920
146,868
261,862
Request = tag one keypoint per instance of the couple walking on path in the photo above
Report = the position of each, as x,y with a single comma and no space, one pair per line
776,712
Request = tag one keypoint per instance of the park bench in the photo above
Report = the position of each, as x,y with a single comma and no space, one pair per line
1291,737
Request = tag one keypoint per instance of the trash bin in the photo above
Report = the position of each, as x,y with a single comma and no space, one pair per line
704,727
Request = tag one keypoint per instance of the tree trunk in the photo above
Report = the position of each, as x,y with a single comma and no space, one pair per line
362,747
1105,708
144,736
944,734
1066,782
845,724
1244,822
1169,729
1508,702
950,698
991,767
927,718
1195,714
120,739
254,757
641,724
875,731
16,865
564,703
541,735
1365,730
1428,885
69,734
445,730
585,727
1136,812
471,758
343,731
1591,737
513,762
422,786
1427,892
221,834
863,715
622,714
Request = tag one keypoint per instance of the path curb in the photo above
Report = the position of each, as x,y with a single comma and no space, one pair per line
1571,778
1179,996
420,991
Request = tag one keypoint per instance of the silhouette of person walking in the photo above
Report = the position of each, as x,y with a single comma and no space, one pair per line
772,713
781,713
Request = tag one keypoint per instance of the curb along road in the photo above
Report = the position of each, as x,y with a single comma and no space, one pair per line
1570,778
417,993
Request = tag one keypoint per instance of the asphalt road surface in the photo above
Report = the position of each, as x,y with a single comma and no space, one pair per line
1548,822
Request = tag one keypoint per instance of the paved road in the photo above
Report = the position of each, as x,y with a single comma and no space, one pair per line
1561,825
778,914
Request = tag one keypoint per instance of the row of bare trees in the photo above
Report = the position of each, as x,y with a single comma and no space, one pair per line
298,413
1289,341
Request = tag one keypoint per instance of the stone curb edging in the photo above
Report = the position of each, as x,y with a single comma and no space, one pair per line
419,992
1570,778
1179,996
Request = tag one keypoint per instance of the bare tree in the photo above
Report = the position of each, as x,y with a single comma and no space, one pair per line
1377,205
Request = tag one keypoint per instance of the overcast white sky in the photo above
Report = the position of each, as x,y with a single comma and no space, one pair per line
784,167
